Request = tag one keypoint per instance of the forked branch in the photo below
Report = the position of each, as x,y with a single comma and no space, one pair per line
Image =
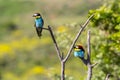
60,55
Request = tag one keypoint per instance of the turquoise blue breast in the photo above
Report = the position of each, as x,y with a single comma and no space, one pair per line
79,53
39,22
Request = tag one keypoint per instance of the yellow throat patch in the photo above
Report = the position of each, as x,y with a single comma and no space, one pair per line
37,16
76,49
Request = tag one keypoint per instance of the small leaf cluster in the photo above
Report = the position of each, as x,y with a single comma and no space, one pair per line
107,17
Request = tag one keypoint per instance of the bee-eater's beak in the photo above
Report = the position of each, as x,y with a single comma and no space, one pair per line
33,16
74,47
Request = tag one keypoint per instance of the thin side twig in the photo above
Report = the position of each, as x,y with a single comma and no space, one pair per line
107,77
76,38
93,65
55,44
45,28
61,56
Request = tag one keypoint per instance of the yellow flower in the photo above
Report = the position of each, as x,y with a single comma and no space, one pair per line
5,49
35,70
61,29
38,70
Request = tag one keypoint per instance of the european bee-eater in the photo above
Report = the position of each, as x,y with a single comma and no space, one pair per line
38,23
79,51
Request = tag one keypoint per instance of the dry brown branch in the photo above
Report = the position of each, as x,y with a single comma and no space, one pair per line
55,44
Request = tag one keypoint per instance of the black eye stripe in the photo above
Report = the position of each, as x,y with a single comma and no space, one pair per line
36,14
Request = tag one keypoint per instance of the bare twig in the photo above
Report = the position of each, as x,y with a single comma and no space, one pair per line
55,43
61,56
88,45
107,77
45,28
76,38
89,75
93,65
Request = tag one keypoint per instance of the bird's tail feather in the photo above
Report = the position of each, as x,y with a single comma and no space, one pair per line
39,32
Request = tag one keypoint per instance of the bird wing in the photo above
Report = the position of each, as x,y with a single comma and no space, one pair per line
42,22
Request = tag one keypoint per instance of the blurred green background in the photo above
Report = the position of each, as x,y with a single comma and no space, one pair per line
23,56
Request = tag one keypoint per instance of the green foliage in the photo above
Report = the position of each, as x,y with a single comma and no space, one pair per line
107,19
